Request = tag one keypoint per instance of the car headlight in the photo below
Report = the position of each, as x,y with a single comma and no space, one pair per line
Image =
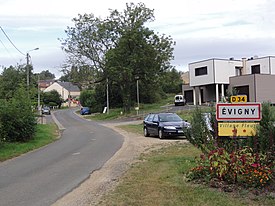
169,127
187,125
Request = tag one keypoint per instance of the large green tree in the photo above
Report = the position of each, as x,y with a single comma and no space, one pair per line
123,50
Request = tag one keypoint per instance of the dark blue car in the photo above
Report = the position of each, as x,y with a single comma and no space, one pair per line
85,111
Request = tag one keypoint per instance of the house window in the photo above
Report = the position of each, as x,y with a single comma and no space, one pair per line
243,90
200,71
255,69
238,71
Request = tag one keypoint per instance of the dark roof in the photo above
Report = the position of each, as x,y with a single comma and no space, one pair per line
69,86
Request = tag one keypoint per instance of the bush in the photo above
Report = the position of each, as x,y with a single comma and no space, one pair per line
17,121
199,134
243,166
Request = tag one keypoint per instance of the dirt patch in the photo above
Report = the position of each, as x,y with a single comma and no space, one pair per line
106,179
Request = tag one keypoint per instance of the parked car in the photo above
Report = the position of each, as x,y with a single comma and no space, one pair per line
179,100
85,111
164,125
46,110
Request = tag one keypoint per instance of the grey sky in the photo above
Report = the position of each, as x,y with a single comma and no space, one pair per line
202,29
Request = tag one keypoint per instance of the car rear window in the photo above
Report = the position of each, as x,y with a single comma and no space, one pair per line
169,118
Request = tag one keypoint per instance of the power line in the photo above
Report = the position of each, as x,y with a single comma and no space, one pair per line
7,50
11,41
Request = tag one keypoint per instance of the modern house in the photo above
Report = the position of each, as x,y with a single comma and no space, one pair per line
211,80
68,91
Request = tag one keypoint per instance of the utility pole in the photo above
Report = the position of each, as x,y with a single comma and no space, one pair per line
28,71
107,94
38,99
137,78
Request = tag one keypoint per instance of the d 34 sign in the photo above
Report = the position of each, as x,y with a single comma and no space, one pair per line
238,98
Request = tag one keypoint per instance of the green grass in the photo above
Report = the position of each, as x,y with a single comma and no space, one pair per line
144,109
45,134
135,128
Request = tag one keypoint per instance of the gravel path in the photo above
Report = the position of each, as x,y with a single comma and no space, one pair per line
100,182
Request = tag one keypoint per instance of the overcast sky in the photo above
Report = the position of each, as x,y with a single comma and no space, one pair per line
202,29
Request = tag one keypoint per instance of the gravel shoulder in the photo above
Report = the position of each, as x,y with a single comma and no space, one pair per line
104,180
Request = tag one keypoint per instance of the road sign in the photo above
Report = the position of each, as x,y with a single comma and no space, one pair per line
238,112
238,99
242,129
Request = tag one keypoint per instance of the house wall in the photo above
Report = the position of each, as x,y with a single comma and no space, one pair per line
203,79
267,65
264,90
55,86
225,69
245,80
218,71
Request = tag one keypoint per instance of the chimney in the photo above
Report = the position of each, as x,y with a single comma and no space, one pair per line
244,71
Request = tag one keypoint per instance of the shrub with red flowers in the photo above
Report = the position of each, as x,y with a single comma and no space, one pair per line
242,166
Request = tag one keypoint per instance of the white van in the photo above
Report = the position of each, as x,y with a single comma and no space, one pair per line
179,100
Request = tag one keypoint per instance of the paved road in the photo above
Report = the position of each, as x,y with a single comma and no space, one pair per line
43,176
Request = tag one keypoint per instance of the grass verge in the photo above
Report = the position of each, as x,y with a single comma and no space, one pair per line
159,179
144,109
45,134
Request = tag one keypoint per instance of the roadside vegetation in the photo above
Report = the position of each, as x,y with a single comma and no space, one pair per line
117,113
206,171
159,179
44,134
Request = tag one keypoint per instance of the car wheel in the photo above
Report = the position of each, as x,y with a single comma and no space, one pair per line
146,134
161,136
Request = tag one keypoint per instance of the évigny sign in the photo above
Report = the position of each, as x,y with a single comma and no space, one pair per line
238,112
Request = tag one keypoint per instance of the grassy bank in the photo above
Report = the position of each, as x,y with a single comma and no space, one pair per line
44,135
158,179
117,113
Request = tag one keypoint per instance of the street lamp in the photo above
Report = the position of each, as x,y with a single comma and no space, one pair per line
28,64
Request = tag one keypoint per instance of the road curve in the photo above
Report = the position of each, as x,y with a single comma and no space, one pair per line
43,176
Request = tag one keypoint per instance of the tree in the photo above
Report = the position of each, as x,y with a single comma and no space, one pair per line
52,98
121,49
172,82
88,99
11,79
46,74
83,76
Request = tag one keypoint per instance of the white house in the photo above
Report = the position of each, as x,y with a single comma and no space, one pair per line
67,90
211,78
211,75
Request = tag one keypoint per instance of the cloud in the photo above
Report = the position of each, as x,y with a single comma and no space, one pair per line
202,29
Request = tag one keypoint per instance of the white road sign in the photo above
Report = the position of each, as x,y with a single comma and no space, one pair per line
237,112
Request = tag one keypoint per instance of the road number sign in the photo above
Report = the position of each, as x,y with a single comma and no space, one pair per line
238,112
238,98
